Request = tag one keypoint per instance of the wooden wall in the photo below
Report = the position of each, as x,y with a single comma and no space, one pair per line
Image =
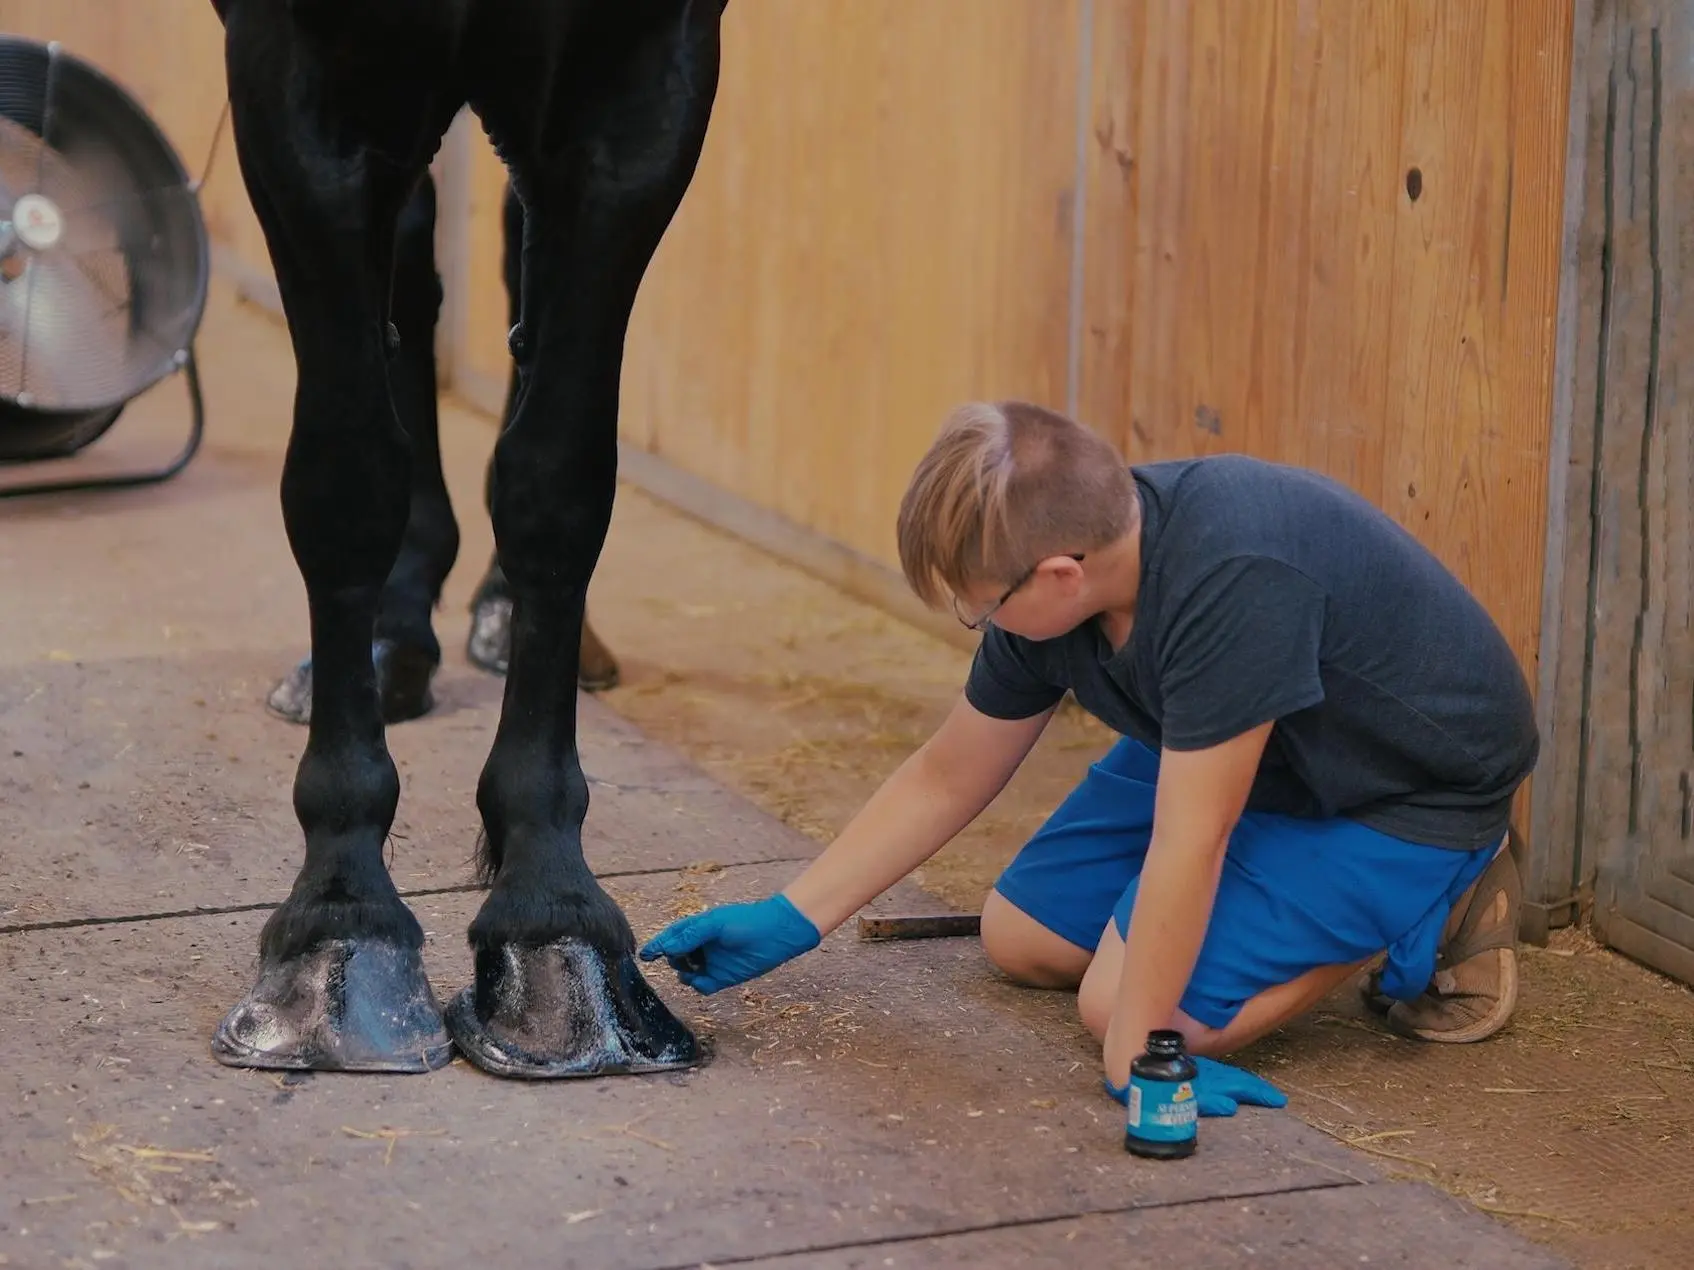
1321,231
1191,221
1616,801
880,226
1328,233
1315,230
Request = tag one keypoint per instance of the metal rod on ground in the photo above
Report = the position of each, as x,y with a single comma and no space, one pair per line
929,926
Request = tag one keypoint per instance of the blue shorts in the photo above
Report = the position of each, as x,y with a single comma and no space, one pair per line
1295,894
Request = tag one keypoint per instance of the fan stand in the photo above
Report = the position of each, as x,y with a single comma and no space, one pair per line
130,480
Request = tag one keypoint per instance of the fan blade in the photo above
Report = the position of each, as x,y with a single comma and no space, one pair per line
72,342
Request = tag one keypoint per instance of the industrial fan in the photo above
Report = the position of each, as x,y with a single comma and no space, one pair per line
104,263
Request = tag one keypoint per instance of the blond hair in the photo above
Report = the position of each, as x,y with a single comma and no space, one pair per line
1004,486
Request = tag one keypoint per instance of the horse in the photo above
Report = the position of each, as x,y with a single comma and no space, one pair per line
599,113
405,649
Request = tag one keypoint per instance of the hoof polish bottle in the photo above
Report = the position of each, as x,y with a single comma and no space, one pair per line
1164,1114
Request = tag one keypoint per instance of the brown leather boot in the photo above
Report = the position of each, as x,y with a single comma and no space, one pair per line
1475,988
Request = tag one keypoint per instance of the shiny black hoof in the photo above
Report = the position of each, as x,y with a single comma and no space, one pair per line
403,678
347,1006
560,1011
490,644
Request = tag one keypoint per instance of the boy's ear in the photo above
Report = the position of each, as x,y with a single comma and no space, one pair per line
1063,568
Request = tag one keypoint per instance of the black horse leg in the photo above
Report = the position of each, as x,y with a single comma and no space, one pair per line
405,650
490,642
602,171
341,983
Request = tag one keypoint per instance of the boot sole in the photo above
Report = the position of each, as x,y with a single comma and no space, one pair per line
1484,1027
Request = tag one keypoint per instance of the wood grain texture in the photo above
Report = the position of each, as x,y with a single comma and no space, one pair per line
1555,877
1637,764
1329,234
1268,283
880,227
884,223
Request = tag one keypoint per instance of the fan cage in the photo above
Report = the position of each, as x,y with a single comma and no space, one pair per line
104,269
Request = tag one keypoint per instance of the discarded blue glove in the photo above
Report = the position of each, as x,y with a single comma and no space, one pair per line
1220,1089
731,944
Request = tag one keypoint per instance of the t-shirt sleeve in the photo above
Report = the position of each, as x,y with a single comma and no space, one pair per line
1242,650
1007,679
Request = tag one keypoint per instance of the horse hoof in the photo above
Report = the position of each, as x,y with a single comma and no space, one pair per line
346,1006
291,699
403,678
489,646
560,1011
597,670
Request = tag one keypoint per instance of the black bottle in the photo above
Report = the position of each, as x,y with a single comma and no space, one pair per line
1164,1113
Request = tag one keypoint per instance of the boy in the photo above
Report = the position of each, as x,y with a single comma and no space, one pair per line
1322,732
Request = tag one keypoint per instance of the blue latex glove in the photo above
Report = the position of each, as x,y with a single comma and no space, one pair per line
1220,1089
731,944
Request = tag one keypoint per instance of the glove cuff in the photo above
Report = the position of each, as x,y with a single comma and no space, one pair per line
799,925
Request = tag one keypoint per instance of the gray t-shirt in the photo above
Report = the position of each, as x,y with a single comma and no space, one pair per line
1272,592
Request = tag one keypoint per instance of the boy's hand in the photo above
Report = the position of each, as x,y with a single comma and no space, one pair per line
1220,1089
731,944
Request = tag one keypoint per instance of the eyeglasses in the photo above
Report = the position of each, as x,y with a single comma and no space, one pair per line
981,620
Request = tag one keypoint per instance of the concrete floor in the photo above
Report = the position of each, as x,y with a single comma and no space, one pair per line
868,1105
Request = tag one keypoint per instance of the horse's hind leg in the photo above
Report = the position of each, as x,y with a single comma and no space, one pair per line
406,651
602,169
490,643
341,983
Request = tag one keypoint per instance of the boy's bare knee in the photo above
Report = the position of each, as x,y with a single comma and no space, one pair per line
1025,950
1095,1000
1097,996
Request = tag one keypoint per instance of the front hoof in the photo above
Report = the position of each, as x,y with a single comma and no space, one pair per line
490,644
560,1011
346,1006
403,677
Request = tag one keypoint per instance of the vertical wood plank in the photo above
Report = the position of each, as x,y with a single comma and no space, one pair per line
1636,765
1553,875
847,266
1262,278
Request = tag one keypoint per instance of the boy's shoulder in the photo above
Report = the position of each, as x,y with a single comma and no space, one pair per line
1223,496
1213,473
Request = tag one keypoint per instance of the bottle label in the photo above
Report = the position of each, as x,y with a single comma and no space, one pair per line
1162,1110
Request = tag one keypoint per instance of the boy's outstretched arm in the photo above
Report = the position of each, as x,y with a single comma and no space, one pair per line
1200,796
934,794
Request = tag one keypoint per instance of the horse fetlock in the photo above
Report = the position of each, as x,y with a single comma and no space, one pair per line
314,916
346,791
528,915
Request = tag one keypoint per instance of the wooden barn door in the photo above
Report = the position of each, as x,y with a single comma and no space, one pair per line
1621,762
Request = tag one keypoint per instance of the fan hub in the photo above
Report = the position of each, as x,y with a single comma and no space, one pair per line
38,222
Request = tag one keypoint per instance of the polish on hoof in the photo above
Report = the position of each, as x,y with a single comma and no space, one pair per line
403,678
560,1011
490,643
489,646
347,1006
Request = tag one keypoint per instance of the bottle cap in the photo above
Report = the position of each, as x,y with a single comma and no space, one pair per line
1164,1043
